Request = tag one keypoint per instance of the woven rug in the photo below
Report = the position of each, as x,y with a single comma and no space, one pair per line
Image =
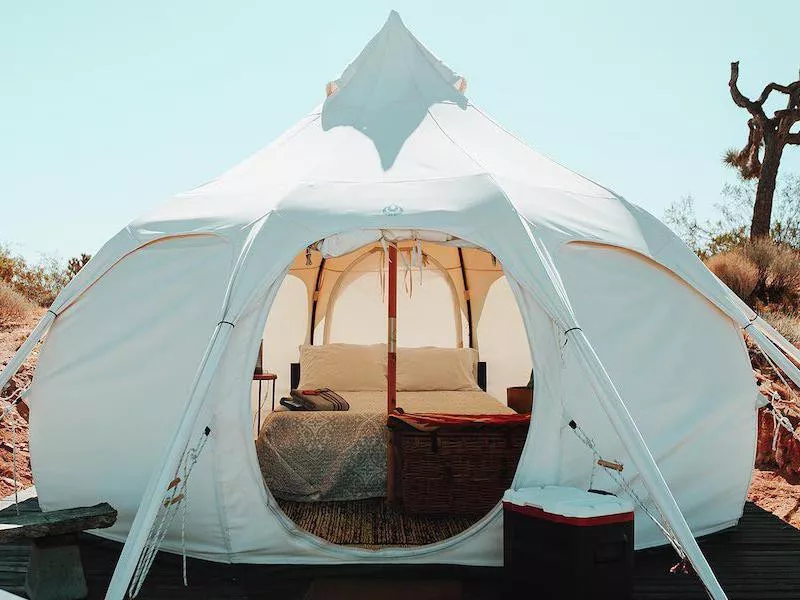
372,522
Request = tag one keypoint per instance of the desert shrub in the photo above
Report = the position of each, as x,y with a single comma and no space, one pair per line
783,282
14,307
736,271
40,282
787,324
779,272
763,273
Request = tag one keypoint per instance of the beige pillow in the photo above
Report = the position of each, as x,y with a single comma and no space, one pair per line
347,367
430,368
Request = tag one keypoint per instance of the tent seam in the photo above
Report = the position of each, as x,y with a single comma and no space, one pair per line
484,170
374,83
221,505
527,147
277,144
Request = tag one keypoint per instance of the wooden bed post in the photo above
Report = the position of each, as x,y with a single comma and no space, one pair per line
391,359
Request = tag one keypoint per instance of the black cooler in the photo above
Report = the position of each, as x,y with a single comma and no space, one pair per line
566,543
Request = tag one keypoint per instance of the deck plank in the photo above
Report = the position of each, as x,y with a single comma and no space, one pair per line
757,560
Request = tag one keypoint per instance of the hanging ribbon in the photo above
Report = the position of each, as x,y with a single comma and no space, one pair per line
176,494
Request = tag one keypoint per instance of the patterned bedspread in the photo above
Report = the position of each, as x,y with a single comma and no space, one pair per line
342,455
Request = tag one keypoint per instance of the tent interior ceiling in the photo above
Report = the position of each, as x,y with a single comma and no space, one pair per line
474,267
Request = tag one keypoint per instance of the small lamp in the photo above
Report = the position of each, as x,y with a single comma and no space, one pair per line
259,370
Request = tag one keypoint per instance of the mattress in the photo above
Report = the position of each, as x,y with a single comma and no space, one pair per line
309,456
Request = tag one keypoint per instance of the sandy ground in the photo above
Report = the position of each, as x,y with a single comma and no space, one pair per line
769,489
14,428
772,492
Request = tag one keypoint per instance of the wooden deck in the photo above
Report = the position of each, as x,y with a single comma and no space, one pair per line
760,559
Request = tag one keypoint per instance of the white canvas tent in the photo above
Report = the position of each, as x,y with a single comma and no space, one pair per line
156,337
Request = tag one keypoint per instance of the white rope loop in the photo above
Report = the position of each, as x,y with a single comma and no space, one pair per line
778,417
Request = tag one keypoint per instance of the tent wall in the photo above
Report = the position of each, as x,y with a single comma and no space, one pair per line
683,371
503,341
428,318
104,406
286,329
147,397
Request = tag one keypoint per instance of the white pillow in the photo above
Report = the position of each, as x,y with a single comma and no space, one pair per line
437,369
345,367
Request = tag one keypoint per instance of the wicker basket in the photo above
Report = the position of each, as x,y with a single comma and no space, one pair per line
454,469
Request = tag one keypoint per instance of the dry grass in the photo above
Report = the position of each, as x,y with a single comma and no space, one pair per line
736,271
14,307
787,324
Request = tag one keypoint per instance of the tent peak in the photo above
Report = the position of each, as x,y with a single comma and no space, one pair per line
395,51
394,16
386,92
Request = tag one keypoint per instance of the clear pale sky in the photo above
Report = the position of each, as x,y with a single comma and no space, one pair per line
109,108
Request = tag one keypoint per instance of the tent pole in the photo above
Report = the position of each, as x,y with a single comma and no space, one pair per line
314,300
391,342
774,352
27,347
467,299
161,478
621,420
391,370
634,444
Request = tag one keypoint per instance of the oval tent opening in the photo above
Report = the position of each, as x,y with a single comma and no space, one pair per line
339,459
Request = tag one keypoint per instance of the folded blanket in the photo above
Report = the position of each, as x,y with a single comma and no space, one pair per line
322,399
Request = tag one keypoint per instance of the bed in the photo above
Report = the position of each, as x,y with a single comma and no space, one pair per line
321,456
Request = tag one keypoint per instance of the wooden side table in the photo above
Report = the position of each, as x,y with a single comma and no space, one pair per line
520,399
259,377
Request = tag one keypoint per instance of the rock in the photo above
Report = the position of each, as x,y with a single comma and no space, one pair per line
765,457
786,456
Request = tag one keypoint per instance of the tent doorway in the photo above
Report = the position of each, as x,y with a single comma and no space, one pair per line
329,470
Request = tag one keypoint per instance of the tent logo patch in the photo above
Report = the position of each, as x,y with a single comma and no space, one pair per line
392,210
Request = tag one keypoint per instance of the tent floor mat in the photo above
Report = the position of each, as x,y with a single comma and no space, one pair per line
757,560
372,523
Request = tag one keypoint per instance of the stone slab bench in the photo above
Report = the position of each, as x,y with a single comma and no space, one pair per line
55,571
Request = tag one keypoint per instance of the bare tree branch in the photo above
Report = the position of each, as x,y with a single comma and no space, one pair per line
773,87
743,101
793,138
786,119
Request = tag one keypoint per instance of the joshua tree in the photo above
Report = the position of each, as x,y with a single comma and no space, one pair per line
773,133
